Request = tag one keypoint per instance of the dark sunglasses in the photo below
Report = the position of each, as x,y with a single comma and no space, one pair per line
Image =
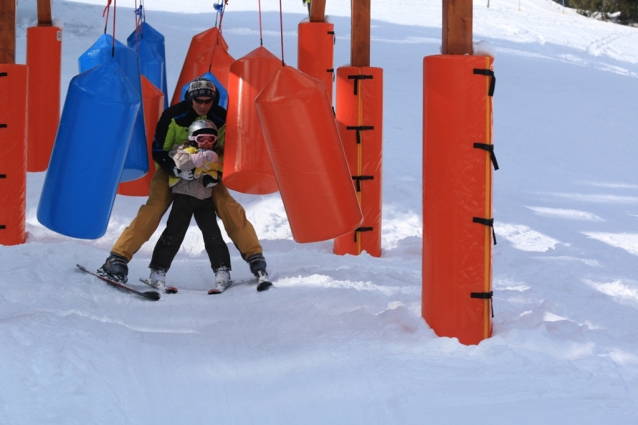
202,101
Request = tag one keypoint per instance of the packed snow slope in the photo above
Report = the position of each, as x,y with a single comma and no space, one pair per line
340,339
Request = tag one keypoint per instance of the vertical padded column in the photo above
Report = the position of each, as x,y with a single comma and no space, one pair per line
307,156
153,99
457,196
216,61
247,164
360,122
44,59
13,165
315,51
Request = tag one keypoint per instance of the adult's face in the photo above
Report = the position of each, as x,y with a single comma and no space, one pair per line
202,104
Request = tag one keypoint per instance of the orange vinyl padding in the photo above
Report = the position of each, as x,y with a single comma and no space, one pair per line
360,123
247,165
457,189
307,156
315,52
44,59
200,43
13,165
215,60
153,99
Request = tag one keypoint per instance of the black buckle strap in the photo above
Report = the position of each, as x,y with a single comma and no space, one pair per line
361,229
359,129
2,227
3,126
334,39
485,296
357,78
490,149
486,222
3,176
3,74
488,73
358,179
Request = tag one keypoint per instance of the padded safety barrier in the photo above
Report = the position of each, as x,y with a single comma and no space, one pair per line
89,154
315,51
136,164
457,196
360,121
247,165
153,99
216,61
308,159
155,39
44,59
13,167
200,43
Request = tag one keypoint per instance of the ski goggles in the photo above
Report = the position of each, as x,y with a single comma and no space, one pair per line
204,141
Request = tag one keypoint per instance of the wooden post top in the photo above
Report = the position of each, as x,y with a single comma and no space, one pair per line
44,13
317,10
457,27
8,31
360,33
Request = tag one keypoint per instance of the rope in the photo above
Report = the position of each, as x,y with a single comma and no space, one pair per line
281,30
106,11
261,38
114,16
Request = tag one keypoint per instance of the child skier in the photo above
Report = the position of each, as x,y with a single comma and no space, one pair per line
193,197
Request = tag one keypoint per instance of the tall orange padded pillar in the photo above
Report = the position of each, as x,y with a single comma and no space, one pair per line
44,59
360,120
153,99
215,60
199,44
307,156
315,51
247,164
13,165
457,196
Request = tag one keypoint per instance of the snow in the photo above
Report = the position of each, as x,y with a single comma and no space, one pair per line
341,340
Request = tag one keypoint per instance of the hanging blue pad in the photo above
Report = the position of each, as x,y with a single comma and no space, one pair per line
156,40
89,154
136,164
223,93
151,64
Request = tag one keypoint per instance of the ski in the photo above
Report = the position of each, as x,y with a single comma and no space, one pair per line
167,290
149,295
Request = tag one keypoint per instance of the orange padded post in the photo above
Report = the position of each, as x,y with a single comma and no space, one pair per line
315,51
247,165
13,166
307,156
153,99
457,196
44,59
360,121
215,60
199,44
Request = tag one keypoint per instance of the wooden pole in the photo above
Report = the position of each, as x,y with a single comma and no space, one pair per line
8,31
360,36
44,13
457,27
317,10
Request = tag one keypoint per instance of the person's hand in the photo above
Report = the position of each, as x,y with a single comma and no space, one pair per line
202,157
208,181
186,175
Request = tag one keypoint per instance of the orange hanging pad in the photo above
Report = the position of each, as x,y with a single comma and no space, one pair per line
215,60
315,51
199,44
44,59
13,168
247,165
153,99
360,122
457,196
307,156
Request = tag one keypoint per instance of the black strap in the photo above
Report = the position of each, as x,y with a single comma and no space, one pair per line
3,74
357,78
359,129
3,176
361,229
2,227
484,296
3,126
330,70
334,39
358,179
490,149
489,73
486,222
